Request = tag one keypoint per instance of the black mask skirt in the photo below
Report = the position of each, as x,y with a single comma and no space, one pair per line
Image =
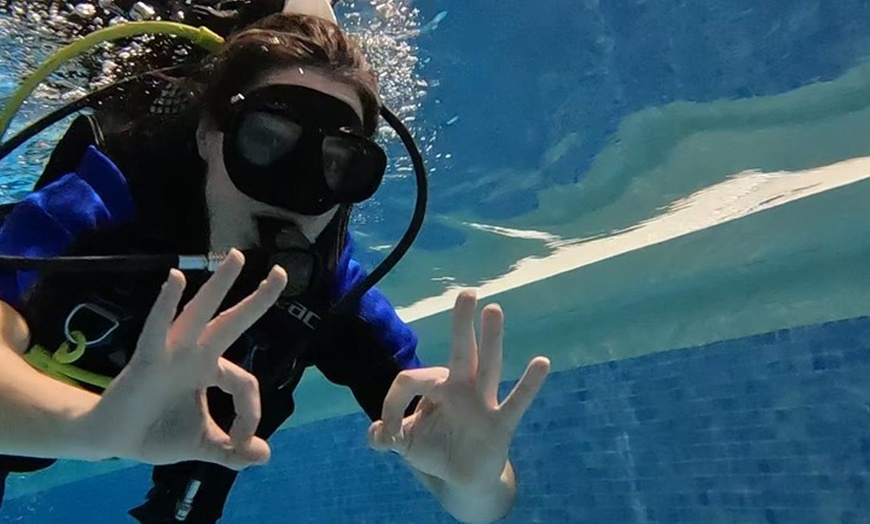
299,149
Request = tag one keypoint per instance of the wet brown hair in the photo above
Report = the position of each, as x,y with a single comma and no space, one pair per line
279,41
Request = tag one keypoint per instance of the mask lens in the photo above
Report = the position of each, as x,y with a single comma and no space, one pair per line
299,149
353,166
337,159
264,138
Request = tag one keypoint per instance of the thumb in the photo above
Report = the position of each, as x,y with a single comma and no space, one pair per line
238,456
380,441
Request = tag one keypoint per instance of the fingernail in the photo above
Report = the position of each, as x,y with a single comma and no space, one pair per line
233,252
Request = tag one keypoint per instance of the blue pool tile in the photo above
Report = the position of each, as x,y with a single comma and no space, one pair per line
764,429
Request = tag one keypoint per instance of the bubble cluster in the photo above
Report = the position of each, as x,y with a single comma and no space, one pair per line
385,29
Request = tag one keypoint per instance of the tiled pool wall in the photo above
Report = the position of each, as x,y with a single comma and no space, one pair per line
769,429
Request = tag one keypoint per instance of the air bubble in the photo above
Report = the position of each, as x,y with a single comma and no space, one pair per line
385,29
86,11
142,11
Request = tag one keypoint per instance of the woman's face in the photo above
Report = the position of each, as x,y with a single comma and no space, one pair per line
233,214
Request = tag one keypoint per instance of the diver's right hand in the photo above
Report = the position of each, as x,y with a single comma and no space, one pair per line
155,410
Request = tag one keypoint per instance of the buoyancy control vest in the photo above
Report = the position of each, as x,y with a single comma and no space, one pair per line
111,311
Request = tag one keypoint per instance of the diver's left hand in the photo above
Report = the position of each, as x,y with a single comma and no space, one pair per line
459,432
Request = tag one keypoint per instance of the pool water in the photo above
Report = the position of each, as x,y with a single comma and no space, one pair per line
669,201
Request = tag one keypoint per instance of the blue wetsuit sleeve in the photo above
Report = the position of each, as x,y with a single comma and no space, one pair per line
396,337
375,346
47,221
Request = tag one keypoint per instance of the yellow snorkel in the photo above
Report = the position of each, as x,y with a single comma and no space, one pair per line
200,36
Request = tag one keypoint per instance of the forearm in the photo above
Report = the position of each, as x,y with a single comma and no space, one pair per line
482,504
39,416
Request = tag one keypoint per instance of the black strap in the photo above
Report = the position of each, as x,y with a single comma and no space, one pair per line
67,155
5,209
3,476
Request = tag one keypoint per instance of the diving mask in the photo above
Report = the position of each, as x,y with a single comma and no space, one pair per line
299,149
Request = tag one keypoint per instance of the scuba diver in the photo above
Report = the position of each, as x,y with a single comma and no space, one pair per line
238,179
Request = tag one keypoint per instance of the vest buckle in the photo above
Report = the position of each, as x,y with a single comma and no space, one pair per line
92,317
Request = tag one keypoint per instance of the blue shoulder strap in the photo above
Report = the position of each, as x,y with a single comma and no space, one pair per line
47,221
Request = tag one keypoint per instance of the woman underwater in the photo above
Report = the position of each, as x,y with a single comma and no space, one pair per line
263,160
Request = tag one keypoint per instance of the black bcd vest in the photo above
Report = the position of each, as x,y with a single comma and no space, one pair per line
276,349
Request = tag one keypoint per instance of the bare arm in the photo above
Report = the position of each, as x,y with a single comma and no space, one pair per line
39,416
155,410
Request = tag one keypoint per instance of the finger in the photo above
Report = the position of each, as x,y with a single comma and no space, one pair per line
407,385
491,353
159,320
380,441
463,356
221,332
217,447
245,390
519,400
208,299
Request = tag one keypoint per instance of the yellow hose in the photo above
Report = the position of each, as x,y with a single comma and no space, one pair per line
59,364
200,36
41,359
